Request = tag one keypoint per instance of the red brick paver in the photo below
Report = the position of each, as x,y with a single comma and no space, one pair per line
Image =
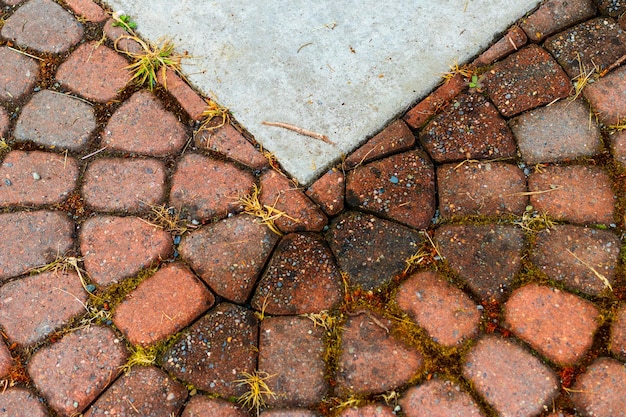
4,120
19,402
120,38
328,192
607,97
555,15
18,74
601,390
229,142
288,413
438,398
189,100
87,9
618,147
509,43
6,361
395,138
371,410
200,406
618,333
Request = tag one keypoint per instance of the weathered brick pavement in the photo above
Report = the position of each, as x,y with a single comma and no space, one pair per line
466,261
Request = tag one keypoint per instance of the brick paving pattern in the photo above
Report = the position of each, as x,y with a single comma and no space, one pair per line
465,261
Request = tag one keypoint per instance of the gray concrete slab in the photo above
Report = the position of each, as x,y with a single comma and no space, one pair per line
340,68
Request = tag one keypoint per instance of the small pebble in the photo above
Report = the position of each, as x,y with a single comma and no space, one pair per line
36,176
8,182
90,287
394,179
177,239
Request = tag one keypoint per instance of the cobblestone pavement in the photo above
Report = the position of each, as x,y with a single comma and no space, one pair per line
466,261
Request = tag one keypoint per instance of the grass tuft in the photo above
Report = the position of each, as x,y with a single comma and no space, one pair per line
583,78
533,221
214,111
153,58
139,356
267,214
258,391
168,219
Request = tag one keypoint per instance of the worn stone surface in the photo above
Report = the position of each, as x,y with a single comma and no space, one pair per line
162,305
36,178
575,193
124,185
486,257
301,277
289,413
53,298
215,350
372,360
371,410
469,128
20,402
400,187
71,373
207,189
328,192
481,188
618,333
618,147
189,100
229,255
555,15
292,350
200,406
559,132
567,253
115,248
229,142
526,79
607,97
4,119
601,390
18,74
558,325
509,43
612,8
509,378
445,312
438,398
6,361
88,10
49,235
44,26
119,36
145,390
369,249
56,121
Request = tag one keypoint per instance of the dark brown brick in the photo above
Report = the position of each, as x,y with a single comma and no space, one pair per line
19,402
292,350
555,15
328,192
115,248
207,188
200,406
618,333
44,26
469,128
556,252
612,8
371,410
601,390
445,312
372,361
229,142
607,96
88,10
575,193
215,350
509,378
31,239
162,305
301,277
94,72
487,257
509,43
369,249
146,391
141,125
558,325
400,187
438,398
527,79
481,188
53,299
18,74
124,185
395,138
56,120
71,373
36,178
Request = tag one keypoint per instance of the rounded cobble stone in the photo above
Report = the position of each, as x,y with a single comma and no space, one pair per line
44,26
19,402
371,410
118,36
74,371
6,361
18,74
607,97
509,378
94,72
162,305
395,138
124,185
207,189
229,142
618,333
56,120
601,390
49,235
53,299
204,406
618,147
328,192
555,15
36,178
438,398
88,10
115,248
558,325
141,125
445,312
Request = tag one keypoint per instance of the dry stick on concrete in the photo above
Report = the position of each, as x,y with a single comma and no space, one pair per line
300,131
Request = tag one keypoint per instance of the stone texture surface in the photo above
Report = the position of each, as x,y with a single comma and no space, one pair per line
514,39
395,138
612,8
369,249
558,325
509,378
229,255
200,406
162,305
288,413
49,235
568,253
229,142
438,398
601,390
71,373
4,119
481,188
36,178
371,360
88,10
292,350
19,402
328,192
115,248
445,312
555,15
18,74
400,187
486,257
371,410
207,188
575,193
618,147
606,96
6,361
215,350
618,333
53,298
189,100
119,37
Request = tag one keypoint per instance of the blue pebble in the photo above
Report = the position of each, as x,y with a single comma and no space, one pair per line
91,288
394,179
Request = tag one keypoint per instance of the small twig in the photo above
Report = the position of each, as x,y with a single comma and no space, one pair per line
25,53
300,130
598,275
534,192
93,153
